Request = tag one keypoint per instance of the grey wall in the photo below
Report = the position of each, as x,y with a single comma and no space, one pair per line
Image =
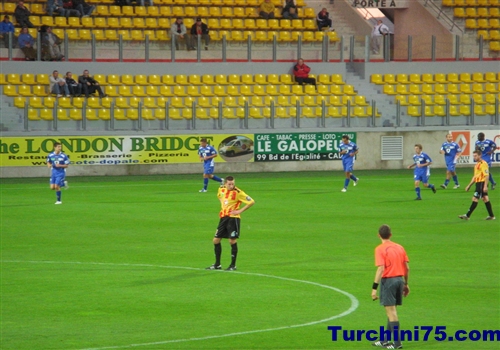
369,158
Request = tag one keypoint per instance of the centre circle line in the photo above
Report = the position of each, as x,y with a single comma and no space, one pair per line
352,308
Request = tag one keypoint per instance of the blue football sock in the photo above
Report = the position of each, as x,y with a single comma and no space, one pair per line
417,189
58,195
346,183
491,180
446,182
431,186
216,178
353,178
205,183
455,178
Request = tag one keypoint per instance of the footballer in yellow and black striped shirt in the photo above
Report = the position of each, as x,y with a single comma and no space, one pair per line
480,178
231,199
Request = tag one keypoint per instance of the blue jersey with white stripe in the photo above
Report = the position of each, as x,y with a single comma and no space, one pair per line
57,158
486,146
450,152
206,152
422,158
350,147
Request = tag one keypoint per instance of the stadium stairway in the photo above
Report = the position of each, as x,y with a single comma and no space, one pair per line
384,103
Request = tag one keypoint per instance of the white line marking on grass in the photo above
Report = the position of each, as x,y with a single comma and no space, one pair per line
352,308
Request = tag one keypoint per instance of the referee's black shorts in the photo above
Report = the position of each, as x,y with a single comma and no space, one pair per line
228,228
391,291
480,193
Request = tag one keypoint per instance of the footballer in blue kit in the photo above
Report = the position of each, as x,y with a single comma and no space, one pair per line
348,150
422,172
487,148
58,162
452,152
207,154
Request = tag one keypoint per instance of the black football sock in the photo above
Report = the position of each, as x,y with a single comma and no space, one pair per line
218,253
396,332
488,207
234,253
471,209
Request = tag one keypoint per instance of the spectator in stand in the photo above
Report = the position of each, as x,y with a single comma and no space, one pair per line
69,10
323,20
301,73
74,87
266,10
198,29
139,2
22,15
82,7
26,44
89,84
56,6
378,32
289,9
51,50
58,85
7,27
178,32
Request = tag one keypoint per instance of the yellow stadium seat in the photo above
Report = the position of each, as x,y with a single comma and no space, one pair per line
164,23
453,88
402,79
40,90
193,90
491,77
24,90
377,79
181,79
219,90
427,89
126,22
14,79
389,79
336,90
204,102
47,114
36,102
389,89
245,90
20,102
427,78
213,23
440,89
180,90
414,89
110,34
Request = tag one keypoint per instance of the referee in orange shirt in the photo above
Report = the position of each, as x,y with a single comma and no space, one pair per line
481,177
392,273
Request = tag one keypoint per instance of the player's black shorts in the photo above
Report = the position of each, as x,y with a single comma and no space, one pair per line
480,193
228,228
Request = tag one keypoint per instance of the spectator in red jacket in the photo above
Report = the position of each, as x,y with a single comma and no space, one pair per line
301,72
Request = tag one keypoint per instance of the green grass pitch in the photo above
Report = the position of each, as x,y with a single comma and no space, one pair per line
120,264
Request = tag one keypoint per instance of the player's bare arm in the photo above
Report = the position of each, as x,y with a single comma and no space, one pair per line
241,210
377,279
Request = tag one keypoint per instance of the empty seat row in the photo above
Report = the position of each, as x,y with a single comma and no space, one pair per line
208,2
418,100
455,111
462,3
190,11
492,34
443,89
76,114
481,12
482,23
428,78
181,79
206,102
166,23
195,91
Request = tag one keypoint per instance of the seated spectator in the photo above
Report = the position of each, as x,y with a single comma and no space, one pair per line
58,85
7,27
22,15
56,6
289,10
89,84
301,73
51,50
82,7
69,10
198,29
178,31
139,2
75,88
323,20
266,10
26,44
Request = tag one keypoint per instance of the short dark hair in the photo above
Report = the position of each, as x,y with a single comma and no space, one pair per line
478,152
229,178
481,134
345,137
385,231
203,139
57,144
419,145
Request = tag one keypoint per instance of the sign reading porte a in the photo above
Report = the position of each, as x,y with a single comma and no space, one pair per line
376,4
